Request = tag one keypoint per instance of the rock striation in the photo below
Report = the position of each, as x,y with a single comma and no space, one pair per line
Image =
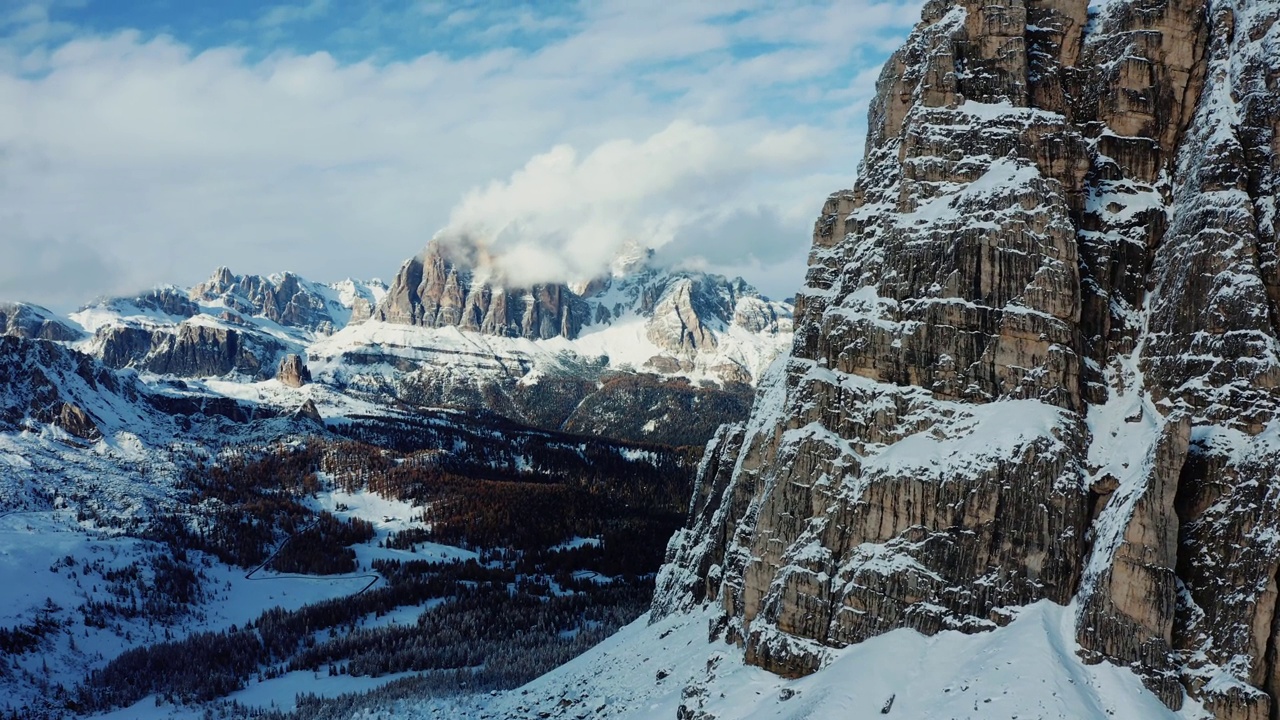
188,350
1036,357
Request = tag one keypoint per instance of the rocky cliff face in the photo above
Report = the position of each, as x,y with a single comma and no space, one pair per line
289,300
1036,357
293,371
188,350
34,322
45,383
435,290
683,313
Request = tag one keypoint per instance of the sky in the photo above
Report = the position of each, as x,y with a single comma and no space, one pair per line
147,142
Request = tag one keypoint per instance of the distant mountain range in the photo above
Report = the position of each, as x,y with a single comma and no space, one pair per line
642,353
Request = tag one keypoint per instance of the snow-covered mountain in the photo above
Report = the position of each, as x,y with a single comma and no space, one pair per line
667,670
140,510
1036,367
644,353
1020,460
675,323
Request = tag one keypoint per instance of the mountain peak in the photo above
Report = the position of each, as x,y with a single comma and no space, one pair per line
684,313
1041,321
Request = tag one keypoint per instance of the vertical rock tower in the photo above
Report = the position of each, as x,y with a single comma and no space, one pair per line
1036,358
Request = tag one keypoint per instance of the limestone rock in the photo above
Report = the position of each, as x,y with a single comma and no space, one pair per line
436,289
34,322
677,326
684,313
45,382
187,350
289,300
76,421
167,300
293,371
308,412
1037,356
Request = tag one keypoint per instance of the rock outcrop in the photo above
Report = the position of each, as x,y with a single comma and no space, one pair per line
1036,357
168,301
309,413
285,299
293,371
435,290
188,350
44,382
76,421
683,312
34,322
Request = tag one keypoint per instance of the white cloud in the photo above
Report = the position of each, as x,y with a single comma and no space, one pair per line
566,216
645,121
277,15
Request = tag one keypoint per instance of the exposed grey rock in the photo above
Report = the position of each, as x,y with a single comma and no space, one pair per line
167,300
308,412
684,312
34,322
285,299
188,350
44,382
76,421
293,371
1036,357
676,325
435,290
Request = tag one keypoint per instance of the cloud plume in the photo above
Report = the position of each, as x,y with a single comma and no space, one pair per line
566,215
670,124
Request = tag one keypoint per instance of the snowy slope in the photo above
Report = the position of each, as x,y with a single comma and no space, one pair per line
627,327
1028,669
676,333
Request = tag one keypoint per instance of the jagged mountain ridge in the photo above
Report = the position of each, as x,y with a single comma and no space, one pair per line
440,289
1036,357
681,345
45,384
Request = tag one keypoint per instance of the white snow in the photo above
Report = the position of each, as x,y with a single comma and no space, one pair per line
577,542
280,692
996,430
1028,669
277,693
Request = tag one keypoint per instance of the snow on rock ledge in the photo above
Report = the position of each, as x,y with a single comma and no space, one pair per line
1036,358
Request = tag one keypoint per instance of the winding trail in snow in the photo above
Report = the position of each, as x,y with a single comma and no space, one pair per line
373,578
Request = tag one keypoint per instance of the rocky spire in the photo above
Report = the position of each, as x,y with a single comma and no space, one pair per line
1036,357
285,298
293,371
440,288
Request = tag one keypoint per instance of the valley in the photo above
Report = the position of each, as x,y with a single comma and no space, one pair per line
1009,451
218,498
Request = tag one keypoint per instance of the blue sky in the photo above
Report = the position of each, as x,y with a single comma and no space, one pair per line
148,141
350,31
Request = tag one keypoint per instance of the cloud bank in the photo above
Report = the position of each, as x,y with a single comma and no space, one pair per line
709,130
566,215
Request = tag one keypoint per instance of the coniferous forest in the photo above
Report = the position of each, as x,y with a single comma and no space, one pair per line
562,537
